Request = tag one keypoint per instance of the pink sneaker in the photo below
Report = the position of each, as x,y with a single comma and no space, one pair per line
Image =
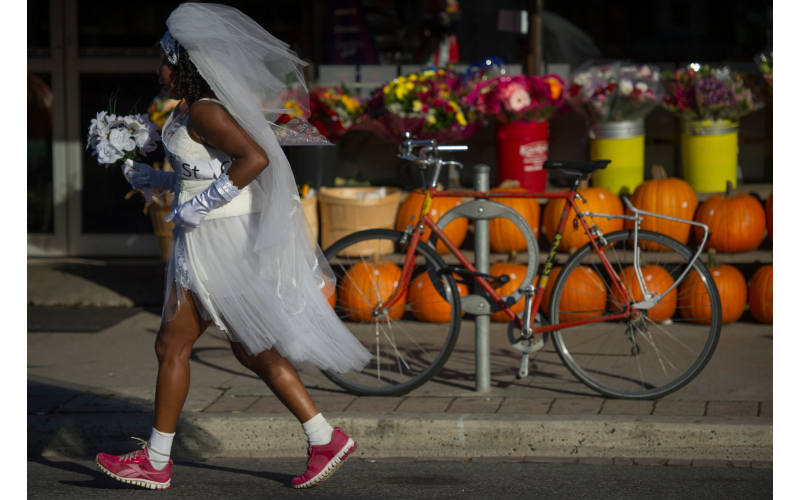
324,459
135,468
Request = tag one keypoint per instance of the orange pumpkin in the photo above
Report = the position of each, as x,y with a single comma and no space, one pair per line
760,295
736,221
504,236
666,196
693,299
769,216
329,288
425,302
456,231
584,295
599,200
516,273
657,280
365,284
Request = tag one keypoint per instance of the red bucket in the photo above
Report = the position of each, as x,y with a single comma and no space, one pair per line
521,151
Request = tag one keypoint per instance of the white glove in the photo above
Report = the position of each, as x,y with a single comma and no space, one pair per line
192,213
143,176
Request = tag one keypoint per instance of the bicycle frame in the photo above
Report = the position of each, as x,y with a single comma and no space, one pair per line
630,309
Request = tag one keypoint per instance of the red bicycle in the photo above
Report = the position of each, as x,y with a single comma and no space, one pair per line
633,314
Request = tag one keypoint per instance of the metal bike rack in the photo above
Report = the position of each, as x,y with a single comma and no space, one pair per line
481,211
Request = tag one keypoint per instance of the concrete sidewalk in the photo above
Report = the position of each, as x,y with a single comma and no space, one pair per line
89,392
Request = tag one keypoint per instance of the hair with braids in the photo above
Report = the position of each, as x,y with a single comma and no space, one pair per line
188,80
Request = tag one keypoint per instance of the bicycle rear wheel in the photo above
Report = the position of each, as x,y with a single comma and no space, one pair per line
635,358
411,342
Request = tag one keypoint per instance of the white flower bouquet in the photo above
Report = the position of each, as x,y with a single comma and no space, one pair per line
615,92
116,139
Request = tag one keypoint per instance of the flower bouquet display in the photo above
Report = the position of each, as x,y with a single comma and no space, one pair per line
116,139
425,104
334,111
521,106
764,63
616,98
710,101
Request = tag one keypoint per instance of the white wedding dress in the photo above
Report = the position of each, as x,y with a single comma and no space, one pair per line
218,264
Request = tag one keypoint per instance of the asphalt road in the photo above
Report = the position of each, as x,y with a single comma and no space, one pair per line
410,480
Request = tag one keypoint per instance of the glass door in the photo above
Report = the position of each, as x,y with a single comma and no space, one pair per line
47,180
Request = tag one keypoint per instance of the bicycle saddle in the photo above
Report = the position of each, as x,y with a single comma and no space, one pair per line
576,167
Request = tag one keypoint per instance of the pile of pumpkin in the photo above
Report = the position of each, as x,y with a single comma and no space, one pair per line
736,223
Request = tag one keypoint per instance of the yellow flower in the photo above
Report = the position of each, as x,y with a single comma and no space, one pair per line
293,105
431,119
386,89
460,118
413,78
350,103
400,93
409,86
417,106
452,106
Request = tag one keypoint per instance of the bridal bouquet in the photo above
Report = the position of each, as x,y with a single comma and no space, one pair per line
615,92
426,104
115,139
707,93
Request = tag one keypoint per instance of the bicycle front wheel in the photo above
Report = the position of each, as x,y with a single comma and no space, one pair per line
655,351
409,341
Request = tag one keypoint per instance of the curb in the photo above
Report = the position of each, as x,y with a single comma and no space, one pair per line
210,435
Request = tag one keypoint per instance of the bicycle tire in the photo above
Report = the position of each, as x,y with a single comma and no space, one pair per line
361,383
663,349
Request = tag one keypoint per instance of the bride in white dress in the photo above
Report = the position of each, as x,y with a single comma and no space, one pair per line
241,255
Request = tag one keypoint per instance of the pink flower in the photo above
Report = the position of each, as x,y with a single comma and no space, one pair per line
518,99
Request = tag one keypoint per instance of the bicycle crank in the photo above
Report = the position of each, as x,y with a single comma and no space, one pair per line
527,345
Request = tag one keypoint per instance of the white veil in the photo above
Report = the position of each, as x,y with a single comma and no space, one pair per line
254,74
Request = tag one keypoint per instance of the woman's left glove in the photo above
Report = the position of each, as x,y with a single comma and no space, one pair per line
192,213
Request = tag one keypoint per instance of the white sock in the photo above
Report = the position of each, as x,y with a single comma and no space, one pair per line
160,447
318,430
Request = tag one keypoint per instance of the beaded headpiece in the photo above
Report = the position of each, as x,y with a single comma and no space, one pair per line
171,47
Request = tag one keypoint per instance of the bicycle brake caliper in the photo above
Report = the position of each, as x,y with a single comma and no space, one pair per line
598,233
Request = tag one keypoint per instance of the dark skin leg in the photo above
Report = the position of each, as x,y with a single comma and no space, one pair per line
282,379
174,347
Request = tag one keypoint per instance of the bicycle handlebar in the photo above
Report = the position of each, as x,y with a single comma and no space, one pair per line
429,146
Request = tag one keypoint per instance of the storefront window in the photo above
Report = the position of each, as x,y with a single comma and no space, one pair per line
105,209
38,29
40,153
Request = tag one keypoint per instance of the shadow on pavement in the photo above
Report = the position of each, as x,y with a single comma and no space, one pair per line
77,421
285,479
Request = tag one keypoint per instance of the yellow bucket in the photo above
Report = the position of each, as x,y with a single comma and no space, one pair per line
710,152
623,144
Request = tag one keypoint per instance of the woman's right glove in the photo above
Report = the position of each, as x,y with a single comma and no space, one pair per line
143,176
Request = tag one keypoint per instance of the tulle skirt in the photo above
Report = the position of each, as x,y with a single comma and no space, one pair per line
217,264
